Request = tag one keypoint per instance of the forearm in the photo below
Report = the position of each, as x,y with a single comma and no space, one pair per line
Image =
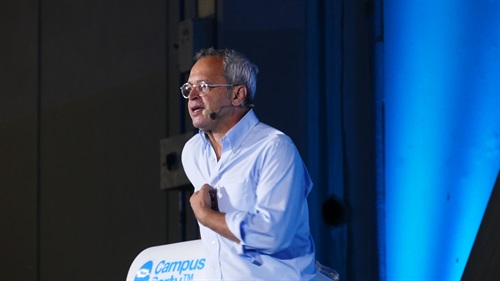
217,222
202,205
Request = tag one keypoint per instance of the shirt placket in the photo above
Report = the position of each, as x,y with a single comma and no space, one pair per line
215,176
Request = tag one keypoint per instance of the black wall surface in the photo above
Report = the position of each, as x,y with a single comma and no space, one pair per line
485,254
88,88
18,140
82,112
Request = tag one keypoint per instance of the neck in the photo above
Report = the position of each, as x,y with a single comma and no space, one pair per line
216,145
215,136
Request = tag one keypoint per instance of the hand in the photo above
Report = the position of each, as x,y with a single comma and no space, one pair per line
204,205
213,198
202,200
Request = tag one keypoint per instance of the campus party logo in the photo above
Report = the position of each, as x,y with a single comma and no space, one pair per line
181,270
144,272
179,266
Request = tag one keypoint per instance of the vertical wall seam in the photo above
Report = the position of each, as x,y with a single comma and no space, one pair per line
38,145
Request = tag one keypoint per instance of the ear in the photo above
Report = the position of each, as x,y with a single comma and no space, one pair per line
240,94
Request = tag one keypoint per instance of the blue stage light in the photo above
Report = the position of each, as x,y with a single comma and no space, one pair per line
442,124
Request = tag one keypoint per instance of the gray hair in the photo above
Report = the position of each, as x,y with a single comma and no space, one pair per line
237,69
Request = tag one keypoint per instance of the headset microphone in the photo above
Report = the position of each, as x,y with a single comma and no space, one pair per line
210,113
213,115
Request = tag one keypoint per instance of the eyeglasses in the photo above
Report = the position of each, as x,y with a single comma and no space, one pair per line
201,87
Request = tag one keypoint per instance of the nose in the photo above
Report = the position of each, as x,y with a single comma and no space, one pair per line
194,94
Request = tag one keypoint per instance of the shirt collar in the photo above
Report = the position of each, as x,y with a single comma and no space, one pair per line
238,132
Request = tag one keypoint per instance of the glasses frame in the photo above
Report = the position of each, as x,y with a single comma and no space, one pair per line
202,87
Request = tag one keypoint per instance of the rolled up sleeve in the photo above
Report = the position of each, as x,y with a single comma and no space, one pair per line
281,190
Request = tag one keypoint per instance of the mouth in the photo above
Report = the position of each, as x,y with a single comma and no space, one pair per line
196,109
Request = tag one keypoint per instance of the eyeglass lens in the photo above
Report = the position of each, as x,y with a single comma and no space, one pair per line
187,88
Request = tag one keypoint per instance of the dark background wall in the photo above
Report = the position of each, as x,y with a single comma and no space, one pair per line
89,88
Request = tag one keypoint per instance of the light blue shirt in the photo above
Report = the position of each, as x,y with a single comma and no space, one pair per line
262,186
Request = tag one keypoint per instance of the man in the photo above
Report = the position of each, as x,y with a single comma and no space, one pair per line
251,185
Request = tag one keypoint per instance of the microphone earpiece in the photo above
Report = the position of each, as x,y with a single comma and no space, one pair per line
206,112
209,113
213,115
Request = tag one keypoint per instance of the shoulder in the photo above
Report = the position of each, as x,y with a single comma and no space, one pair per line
195,140
270,139
192,145
271,134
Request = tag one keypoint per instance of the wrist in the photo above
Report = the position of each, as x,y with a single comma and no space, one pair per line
203,215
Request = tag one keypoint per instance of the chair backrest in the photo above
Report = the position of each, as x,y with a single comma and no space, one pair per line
178,261
184,261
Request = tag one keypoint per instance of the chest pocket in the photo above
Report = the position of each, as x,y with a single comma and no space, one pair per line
236,194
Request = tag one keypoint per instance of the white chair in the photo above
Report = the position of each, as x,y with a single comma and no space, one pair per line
185,261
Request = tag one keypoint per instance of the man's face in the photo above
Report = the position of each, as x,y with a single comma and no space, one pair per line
209,70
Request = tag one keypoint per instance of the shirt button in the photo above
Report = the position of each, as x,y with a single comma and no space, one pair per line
213,242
